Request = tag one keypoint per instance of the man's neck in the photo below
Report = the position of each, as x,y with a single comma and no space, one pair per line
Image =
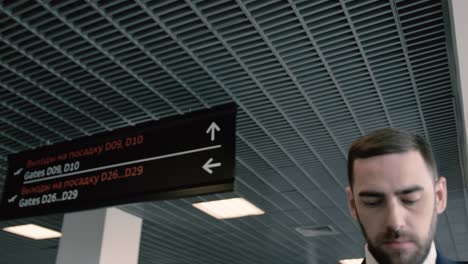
430,259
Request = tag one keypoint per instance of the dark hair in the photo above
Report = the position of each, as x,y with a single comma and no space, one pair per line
388,141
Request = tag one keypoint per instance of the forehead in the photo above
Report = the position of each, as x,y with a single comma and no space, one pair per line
391,172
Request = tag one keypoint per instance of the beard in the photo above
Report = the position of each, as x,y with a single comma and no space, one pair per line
384,256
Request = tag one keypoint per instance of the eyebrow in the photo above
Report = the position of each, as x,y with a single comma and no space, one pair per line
371,194
405,191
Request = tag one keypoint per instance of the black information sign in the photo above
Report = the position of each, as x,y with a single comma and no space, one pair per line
190,154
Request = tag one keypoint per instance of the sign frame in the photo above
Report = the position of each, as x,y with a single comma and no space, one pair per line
175,148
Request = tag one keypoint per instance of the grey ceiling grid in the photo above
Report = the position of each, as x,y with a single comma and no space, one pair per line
156,18
309,77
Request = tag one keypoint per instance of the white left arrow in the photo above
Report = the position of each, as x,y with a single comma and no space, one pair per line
208,165
213,128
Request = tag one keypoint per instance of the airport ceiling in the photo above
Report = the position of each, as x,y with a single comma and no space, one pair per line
308,77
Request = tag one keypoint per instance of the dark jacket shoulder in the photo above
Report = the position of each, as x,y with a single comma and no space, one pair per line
443,260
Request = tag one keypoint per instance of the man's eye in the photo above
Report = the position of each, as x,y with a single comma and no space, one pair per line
372,203
409,202
411,198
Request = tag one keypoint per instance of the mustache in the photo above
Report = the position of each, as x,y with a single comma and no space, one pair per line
392,234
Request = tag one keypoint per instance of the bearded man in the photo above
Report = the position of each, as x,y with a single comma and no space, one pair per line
395,194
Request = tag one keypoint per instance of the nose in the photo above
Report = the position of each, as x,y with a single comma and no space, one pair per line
395,215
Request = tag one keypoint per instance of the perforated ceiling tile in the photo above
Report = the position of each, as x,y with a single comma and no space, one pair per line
309,77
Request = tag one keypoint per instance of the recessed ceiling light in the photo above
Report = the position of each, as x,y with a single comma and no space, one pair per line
316,231
229,208
33,231
351,261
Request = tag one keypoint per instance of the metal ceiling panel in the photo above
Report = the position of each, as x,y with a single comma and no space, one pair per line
309,77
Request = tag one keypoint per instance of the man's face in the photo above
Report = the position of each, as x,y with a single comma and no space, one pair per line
396,202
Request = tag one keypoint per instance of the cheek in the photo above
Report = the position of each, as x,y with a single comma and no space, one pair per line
372,222
420,217
423,209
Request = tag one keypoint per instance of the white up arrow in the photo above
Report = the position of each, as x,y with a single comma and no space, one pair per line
212,129
208,165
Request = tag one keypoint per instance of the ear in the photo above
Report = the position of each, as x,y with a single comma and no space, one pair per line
351,202
441,194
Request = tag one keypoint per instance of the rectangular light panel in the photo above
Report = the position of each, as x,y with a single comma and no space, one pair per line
33,231
229,208
351,261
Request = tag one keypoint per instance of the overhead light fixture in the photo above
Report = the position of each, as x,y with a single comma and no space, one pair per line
33,231
316,231
229,208
351,261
